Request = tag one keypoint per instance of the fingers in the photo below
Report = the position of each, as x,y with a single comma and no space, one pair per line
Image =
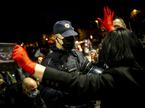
108,12
18,48
112,14
17,52
100,20
105,12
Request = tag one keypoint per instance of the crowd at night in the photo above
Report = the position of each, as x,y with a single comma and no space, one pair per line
72,54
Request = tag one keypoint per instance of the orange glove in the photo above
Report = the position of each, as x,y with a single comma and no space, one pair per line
20,56
107,21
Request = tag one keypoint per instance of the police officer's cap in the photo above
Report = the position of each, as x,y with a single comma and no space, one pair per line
64,28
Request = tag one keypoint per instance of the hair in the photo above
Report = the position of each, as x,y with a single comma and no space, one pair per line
119,22
121,47
28,83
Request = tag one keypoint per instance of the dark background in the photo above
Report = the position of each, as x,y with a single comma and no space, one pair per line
26,21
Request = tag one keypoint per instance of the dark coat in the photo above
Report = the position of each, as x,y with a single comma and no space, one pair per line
70,62
119,87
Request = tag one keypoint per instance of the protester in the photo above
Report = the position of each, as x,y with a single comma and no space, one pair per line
119,22
25,94
119,86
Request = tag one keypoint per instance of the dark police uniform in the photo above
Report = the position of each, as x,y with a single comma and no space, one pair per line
72,62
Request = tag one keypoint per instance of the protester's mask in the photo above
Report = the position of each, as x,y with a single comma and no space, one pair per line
68,43
33,94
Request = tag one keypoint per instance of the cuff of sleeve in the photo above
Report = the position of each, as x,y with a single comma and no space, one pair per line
39,71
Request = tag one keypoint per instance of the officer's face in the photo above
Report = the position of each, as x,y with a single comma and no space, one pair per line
68,43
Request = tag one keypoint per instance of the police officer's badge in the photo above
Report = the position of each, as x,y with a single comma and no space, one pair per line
67,25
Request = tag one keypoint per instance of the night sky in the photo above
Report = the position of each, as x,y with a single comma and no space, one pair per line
28,20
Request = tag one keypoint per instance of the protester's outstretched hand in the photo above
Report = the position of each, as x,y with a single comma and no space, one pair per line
107,21
20,56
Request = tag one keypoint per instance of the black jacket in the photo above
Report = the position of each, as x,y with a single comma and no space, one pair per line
70,62
119,87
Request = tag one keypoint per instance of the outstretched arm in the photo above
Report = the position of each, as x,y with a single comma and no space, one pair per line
88,85
21,57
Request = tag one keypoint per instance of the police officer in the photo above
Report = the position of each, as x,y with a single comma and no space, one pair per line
65,58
